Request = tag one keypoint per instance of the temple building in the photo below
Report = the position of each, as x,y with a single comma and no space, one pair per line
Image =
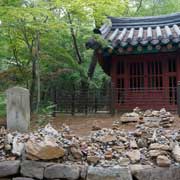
143,60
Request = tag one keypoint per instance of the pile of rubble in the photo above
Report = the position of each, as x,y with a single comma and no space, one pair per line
106,147
150,118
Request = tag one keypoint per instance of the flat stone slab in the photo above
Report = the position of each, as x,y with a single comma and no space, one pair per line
111,173
152,121
129,119
9,168
18,109
58,171
172,173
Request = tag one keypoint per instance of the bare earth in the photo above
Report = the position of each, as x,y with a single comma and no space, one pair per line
81,125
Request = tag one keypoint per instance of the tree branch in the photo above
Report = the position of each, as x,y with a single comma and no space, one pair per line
139,6
74,39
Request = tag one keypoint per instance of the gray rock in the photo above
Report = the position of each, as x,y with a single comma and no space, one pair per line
134,155
152,121
176,152
33,169
70,172
110,173
163,161
9,168
172,173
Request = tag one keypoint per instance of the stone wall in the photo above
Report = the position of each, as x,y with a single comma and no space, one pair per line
31,170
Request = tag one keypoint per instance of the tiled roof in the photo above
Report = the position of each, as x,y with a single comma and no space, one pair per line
142,31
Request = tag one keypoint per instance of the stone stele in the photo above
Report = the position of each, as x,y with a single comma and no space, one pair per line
18,109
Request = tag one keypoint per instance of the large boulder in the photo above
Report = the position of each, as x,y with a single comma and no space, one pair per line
111,173
45,150
9,168
64,171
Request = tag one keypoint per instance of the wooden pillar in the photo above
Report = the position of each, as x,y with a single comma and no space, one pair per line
178,98
126,75
145,64
113,84
178,67
165,76
112,99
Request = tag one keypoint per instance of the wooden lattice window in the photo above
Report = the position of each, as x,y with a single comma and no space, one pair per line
120,85
120,68
155,76
172,65
136,75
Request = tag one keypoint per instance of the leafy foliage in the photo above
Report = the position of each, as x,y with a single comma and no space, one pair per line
43,41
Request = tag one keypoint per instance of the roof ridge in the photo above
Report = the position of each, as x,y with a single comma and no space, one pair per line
163,16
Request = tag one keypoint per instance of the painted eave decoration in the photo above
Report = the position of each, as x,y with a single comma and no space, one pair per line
142,34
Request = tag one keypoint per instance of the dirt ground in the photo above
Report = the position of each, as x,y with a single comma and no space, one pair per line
81,125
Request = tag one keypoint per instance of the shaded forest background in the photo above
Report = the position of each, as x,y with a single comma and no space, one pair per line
42,43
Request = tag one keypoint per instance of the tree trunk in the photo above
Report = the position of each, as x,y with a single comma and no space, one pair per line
33,83
92,65
38,72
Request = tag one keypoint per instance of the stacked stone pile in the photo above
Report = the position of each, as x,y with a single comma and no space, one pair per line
162,117
105,147
151,118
